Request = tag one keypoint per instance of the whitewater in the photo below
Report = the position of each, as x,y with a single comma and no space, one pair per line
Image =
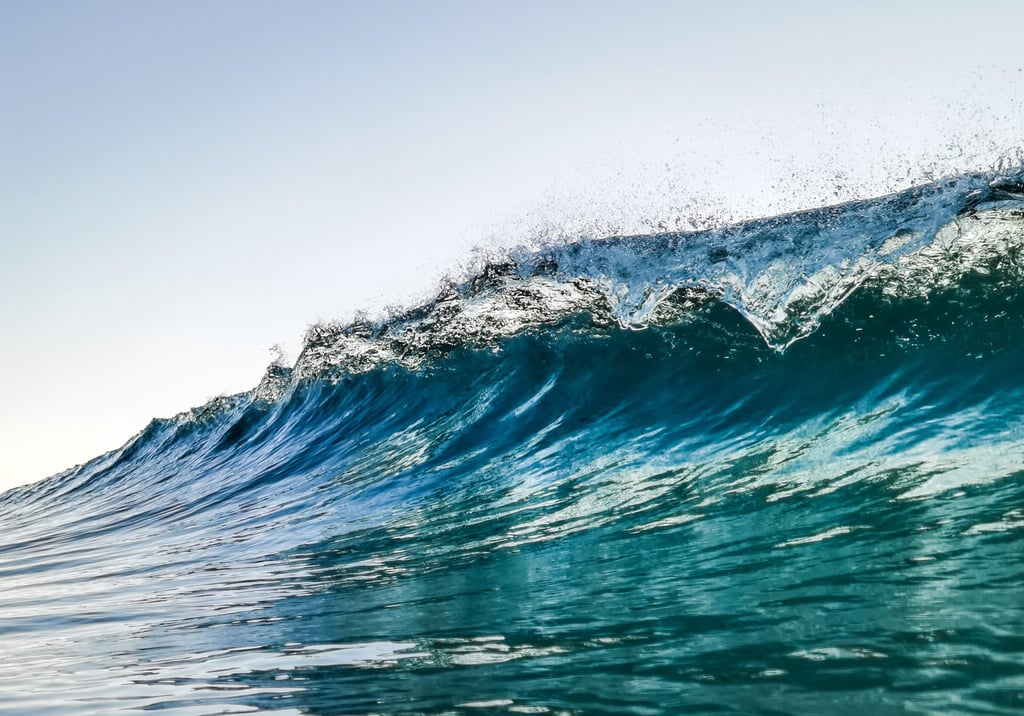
769,467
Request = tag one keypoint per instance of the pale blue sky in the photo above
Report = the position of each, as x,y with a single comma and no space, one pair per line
184,184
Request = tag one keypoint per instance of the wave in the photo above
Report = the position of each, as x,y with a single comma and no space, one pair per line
774,467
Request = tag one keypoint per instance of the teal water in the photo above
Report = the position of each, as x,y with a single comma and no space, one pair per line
774,468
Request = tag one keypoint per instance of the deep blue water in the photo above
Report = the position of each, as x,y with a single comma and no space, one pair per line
771,468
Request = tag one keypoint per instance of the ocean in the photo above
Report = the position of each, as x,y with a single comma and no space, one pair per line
774,467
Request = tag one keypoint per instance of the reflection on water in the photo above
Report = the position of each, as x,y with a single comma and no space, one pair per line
754,606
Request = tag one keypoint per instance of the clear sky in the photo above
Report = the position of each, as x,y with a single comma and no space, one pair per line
184,184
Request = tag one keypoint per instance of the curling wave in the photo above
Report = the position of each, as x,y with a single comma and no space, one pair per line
797,489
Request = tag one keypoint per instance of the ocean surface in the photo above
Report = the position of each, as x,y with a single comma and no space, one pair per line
767,468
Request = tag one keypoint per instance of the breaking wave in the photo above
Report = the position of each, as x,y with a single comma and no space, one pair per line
771,467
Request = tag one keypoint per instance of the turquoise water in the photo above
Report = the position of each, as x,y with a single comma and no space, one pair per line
773,468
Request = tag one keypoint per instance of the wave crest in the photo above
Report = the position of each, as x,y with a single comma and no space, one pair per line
783,274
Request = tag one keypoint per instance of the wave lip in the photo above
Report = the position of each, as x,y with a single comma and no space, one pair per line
783,274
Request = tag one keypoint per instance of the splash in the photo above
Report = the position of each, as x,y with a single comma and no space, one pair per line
783,274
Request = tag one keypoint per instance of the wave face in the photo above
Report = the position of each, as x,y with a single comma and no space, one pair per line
773,468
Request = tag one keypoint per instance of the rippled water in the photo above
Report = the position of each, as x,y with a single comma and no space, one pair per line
510,501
